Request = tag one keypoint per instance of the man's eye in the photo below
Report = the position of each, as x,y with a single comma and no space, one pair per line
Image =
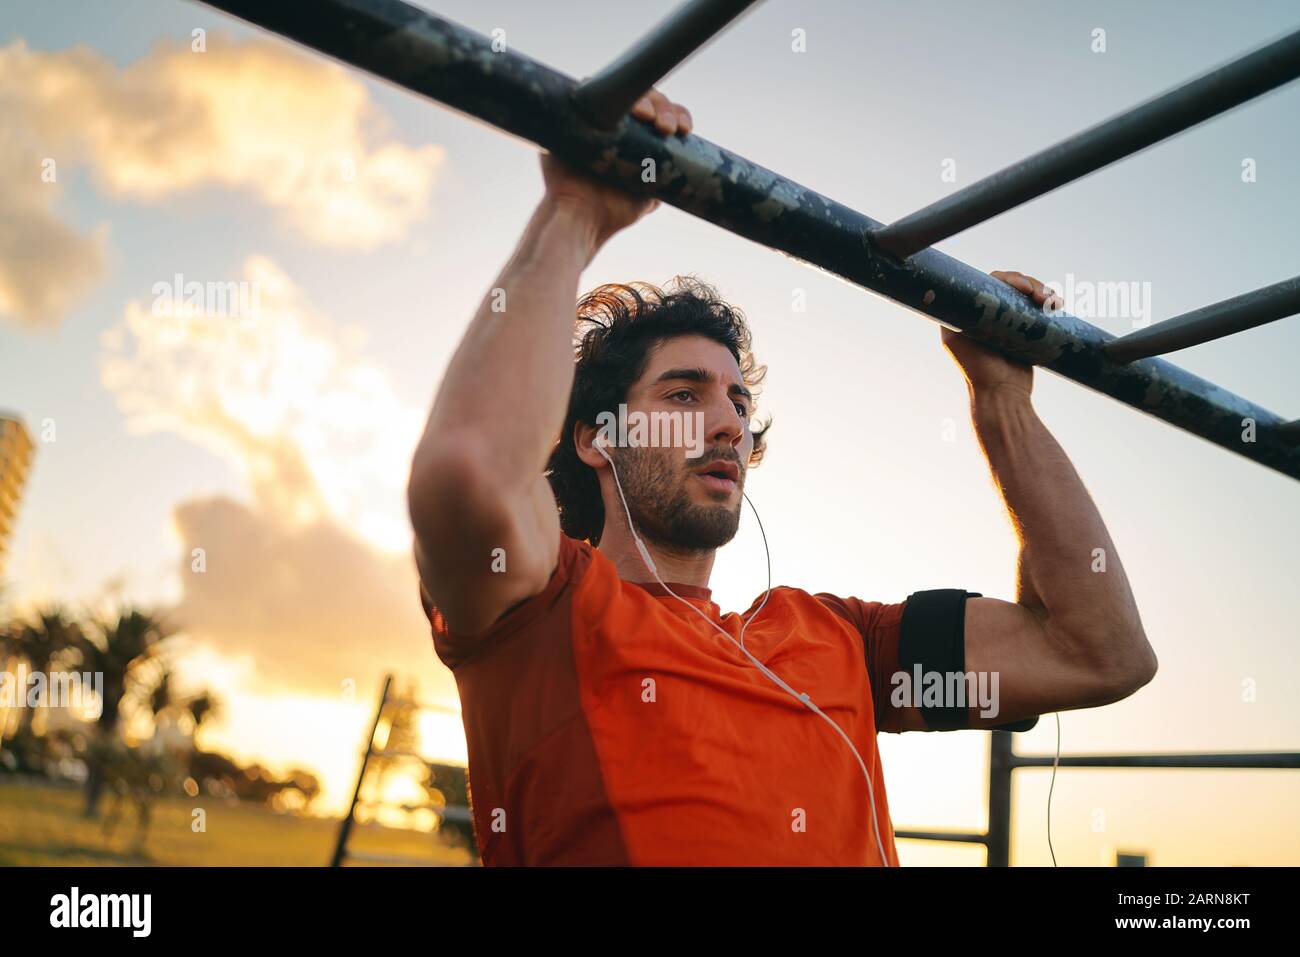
685,392
744,412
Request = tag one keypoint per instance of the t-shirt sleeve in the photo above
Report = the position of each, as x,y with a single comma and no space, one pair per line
927,631
455,648
880,626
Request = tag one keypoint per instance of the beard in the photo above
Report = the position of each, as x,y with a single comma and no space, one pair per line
661,506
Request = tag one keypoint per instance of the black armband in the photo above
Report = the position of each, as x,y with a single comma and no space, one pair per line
932,635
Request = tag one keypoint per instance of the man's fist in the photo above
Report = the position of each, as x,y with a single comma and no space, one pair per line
986,370
611,209
667,116
1030,286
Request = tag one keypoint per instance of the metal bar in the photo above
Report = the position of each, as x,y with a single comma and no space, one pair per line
1002,756
345,828
458,67
958,837
606,97
1172,112
1211,322
1228,760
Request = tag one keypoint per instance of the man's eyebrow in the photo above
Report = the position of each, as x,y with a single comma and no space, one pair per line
704,377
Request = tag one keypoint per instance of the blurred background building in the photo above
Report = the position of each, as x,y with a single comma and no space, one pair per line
16,448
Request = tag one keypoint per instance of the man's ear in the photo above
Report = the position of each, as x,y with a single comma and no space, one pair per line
585,438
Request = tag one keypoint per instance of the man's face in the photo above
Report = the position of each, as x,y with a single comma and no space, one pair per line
687,494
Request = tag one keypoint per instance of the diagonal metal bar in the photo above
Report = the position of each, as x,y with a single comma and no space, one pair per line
1211,322
606,97
438,59
1172,112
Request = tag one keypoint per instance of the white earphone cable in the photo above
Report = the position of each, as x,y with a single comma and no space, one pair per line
803,698
1055,761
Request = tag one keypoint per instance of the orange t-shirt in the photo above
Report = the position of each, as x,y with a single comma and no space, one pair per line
607,723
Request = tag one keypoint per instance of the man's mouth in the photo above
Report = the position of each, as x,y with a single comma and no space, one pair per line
719,476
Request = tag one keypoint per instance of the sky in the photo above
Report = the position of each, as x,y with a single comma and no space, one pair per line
370,222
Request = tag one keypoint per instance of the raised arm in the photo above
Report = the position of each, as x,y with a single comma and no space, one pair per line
476,482
1073,637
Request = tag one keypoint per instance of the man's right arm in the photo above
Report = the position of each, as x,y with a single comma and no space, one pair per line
476,480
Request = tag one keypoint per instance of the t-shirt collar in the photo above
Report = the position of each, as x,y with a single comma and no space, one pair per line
685,591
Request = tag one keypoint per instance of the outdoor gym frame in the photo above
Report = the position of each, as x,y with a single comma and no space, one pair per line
459,68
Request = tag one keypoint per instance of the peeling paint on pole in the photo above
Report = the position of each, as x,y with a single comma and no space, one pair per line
443,61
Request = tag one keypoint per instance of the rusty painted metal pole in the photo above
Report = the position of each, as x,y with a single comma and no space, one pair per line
1168,114
610,93
441,60
1208,323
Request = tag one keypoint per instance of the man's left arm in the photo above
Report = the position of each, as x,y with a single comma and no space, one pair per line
1073,637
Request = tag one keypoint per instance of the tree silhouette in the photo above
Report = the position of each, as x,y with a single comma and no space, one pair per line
116,648
448,786
40,641
202,706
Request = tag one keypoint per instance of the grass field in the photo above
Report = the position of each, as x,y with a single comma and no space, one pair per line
41,825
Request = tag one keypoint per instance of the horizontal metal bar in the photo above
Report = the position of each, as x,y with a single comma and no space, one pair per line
957,837
606,97
1172,112
458,67
1211,322
1228,760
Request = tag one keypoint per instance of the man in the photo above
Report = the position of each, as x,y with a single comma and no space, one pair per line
613,714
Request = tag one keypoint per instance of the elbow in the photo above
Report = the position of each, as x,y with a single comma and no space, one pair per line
1114,662
1144,671
1132,668
1139,658
447,479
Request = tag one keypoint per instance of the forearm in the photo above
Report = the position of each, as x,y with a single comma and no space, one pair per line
1069,569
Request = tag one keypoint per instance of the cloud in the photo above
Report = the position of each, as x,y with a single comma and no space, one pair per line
311,606
46,266
314,577
297,132
280,394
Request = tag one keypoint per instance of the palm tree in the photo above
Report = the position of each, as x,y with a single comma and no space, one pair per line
40,641
164,699
116,649
163,695
202,706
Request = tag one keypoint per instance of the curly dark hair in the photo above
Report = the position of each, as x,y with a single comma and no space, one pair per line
617,327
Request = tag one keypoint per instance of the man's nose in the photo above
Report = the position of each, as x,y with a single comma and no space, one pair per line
725,426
